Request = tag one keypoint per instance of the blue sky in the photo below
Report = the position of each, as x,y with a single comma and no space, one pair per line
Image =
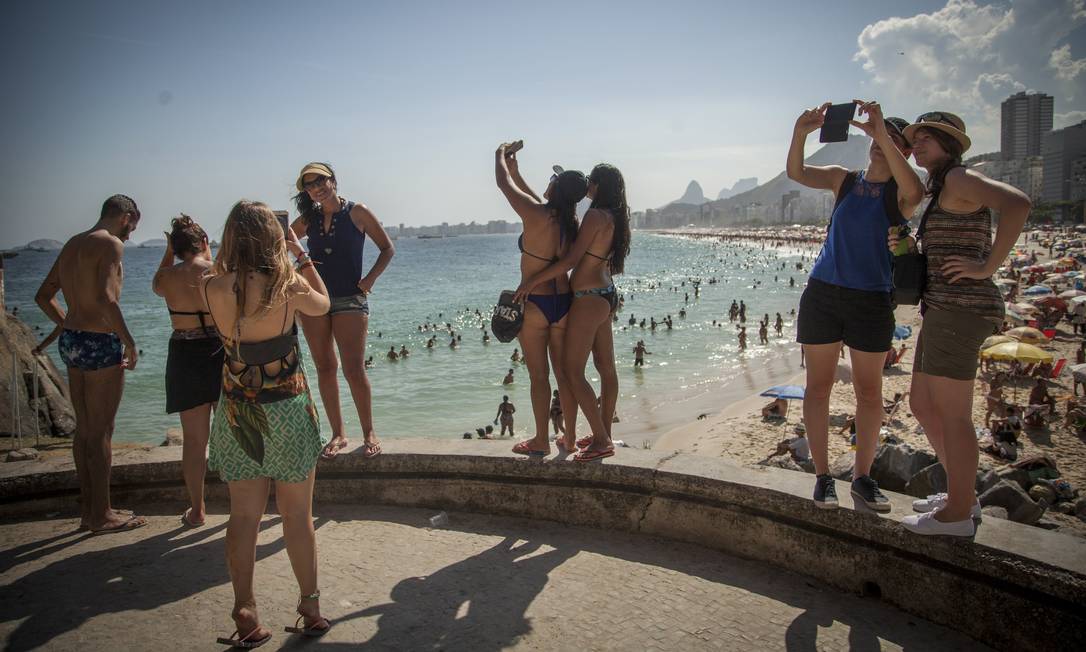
191,106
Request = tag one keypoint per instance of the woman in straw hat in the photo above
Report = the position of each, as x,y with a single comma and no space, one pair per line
848,296
961,307
337,231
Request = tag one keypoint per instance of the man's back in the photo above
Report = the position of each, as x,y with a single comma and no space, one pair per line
89,269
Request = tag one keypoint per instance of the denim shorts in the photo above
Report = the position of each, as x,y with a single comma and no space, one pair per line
862,319
352,303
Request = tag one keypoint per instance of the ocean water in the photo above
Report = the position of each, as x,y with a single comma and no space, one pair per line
695,367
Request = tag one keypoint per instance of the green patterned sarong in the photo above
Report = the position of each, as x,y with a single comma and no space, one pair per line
279,440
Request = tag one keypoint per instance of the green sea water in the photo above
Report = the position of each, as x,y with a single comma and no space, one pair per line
695,367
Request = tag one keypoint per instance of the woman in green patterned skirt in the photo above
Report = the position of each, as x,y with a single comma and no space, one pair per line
266,427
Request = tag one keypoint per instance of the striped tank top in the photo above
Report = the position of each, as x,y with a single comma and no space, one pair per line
955,234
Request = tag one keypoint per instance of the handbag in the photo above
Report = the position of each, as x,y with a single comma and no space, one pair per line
508,317
911,269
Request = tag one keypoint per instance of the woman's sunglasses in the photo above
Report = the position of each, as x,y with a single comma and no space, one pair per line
314,183
938,116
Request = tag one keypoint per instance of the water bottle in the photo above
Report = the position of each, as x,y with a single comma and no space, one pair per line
439,520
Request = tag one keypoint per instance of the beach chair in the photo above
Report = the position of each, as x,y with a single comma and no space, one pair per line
1058,368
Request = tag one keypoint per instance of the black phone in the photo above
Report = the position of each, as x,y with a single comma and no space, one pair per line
284,220
835,127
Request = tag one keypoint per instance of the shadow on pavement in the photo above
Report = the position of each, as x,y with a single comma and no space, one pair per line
141,575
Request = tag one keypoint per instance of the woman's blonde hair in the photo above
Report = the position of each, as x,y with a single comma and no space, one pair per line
253,241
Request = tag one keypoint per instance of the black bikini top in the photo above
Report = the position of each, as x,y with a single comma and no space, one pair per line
520,245
197,313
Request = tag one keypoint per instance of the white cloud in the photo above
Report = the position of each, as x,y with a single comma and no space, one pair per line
1061,120
1066,67
967,57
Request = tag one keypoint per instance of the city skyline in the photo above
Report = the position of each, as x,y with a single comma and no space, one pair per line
188,108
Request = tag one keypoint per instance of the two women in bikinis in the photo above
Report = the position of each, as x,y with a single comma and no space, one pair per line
599,251
195,356
550,227
337,230
266,426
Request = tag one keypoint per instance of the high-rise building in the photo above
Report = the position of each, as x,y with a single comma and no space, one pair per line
1026,118
1064,151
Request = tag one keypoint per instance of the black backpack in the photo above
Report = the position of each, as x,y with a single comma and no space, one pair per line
889,198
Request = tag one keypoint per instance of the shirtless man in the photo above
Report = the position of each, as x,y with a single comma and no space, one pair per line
96,347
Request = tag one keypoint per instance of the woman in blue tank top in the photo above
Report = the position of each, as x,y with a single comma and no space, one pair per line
337,231
848,300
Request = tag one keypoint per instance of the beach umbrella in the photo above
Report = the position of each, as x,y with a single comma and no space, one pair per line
1019,351
903,332
785,391
1024,308
1071,294
1078,372
1027,334
1037,290
1054,303
996,339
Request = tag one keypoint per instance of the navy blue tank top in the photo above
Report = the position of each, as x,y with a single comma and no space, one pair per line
855,254
337,252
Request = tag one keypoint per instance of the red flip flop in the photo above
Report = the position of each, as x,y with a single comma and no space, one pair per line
594,454
521,448
584,442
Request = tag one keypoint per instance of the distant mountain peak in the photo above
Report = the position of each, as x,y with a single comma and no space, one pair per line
742,185
693,195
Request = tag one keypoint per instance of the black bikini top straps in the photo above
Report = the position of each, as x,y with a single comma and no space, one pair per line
520,245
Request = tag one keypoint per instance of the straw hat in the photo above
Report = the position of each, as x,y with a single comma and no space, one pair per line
943,121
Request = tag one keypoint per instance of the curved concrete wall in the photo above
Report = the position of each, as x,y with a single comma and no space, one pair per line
1013,587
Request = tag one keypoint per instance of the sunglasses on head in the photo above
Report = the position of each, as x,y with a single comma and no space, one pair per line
938,116
314,183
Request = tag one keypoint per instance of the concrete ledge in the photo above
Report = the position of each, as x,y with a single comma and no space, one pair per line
1013,587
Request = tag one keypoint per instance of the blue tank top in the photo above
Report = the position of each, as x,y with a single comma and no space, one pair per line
337,252
855,254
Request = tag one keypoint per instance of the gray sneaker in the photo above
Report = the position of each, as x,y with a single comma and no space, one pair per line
866,491
825,493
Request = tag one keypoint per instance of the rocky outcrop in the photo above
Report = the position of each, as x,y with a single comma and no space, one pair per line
896,464
56,417
1020,507
693,195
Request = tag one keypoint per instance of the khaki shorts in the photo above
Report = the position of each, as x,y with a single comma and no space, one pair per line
949,343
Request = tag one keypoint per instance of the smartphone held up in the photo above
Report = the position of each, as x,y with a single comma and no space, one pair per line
835,126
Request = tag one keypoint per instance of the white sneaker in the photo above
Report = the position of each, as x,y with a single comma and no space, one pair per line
928,524
938,501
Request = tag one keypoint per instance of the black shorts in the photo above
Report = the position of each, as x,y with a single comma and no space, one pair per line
828,313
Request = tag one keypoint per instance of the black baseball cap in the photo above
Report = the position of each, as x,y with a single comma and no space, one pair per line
897,126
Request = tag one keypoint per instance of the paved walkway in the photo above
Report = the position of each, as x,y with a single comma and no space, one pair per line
483,583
